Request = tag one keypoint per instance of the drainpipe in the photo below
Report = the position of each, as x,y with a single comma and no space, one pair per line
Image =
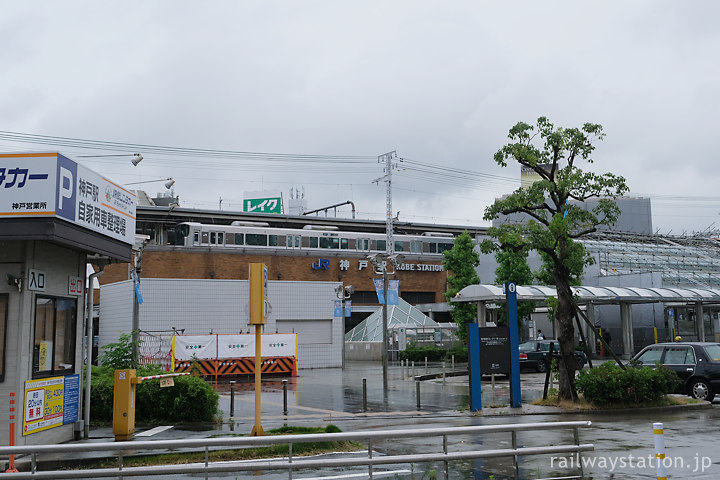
88,358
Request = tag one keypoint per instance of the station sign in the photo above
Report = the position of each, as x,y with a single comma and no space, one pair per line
494,350
36,185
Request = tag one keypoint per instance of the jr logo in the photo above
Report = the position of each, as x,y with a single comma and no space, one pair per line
321,264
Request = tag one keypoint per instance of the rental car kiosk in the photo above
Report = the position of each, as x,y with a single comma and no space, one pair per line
54,214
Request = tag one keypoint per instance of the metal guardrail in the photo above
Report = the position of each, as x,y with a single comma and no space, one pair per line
291,463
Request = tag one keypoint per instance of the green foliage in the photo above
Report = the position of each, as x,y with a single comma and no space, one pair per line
553,206
460,263
119,355
192,399
609,384
577,259
416,353
511,254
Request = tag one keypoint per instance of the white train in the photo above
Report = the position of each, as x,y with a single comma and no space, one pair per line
259,235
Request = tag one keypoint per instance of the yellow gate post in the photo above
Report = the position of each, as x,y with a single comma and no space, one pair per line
124,404
258,311
124,400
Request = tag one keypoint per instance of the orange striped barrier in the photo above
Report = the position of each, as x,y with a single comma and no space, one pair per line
239,366
11,461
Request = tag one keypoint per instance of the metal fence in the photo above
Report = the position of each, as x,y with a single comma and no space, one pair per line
464,450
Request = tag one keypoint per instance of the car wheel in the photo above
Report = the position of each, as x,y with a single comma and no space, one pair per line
580,362
541,365
701,390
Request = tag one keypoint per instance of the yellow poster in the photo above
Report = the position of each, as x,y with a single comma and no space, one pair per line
44,401
43,356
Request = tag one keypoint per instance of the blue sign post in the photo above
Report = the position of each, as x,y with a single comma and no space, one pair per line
475,374
511,299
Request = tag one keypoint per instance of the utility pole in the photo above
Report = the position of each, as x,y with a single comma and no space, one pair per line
389,249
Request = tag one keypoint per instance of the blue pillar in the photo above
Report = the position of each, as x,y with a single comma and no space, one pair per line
511,298
475,376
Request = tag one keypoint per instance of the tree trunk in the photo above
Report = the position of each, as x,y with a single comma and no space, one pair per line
566,338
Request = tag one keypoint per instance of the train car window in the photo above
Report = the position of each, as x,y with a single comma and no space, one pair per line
416,246
239,239
221,238
196,238
381,245
344,244
326,242
293,241
363,244
256,239
212,238
433,247
204,238
313,242
273,240
444,246
400,246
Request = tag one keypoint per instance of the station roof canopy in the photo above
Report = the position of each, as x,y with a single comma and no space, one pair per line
595,295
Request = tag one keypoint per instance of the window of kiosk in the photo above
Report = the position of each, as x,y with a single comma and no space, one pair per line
54,341
3,329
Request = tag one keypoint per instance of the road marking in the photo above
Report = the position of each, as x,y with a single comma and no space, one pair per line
153,431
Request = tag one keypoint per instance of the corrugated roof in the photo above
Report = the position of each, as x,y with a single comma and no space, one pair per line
597,295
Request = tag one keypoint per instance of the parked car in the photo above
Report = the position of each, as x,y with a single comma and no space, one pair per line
535,354
696,363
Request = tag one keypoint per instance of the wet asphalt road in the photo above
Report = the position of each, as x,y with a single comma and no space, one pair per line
623,440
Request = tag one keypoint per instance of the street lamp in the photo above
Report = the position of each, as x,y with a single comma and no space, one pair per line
137,158
380,261
169,182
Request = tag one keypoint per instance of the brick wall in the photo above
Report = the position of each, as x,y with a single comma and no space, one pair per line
192,263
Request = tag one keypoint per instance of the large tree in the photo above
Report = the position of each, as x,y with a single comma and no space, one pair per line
511,253
460,262
555,214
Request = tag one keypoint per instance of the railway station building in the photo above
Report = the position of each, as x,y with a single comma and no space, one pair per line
325,255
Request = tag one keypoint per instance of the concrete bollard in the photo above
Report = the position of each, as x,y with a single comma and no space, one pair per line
232,398
426,370
364,394
413,368
453,362
407,367
285,409
443,371
417,391
660,450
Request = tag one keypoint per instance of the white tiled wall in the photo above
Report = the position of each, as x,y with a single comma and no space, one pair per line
220,306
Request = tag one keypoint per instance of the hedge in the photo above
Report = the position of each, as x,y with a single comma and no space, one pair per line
609,384
192,399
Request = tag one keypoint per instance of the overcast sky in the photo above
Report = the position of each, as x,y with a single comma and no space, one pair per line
438,82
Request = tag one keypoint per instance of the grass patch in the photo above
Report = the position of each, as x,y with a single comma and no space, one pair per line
240,453
583,404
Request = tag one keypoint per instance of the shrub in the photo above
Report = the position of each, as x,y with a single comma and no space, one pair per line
119,355
460,350
192,399
415,353
609,384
